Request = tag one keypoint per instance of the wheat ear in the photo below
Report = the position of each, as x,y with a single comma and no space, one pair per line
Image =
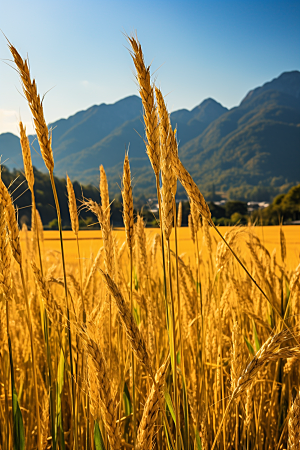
147,96
104,194
52,307
166,171
108,404
11,223
72,207
26,157
5,257
270,351
36,107
133,333
179,215
190,186
97,209
127,203
151,409
294,425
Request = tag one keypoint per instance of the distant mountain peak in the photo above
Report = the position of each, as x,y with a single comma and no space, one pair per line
208,110
287,82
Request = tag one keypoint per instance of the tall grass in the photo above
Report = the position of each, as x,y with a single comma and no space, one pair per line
138,346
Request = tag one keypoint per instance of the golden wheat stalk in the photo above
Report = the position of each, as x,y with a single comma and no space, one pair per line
11,223
179,215
14,239
166,171
151,409
51,305
26,157
269,351
133,333
127,203
147,96
104,194
108,404
190,186
294,424
5,257
36,107
72,207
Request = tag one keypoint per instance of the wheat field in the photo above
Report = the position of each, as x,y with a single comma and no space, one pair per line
91,241
169,338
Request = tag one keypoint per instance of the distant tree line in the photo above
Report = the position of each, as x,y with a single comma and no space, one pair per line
17,184
285,207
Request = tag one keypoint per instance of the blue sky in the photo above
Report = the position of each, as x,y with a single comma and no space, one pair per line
197,49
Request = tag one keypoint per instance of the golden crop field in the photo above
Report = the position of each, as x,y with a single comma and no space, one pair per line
91,241
139,339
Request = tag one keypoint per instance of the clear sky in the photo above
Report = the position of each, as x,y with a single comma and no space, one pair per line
198,49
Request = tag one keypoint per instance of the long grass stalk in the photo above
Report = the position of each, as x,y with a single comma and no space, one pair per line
67,301
29,174
132,354
182,356
162,247
221,362
178,291
46,330
5,384
246,270
173,345
34,370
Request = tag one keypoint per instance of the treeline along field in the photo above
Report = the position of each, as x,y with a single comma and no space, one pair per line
284,207
147,339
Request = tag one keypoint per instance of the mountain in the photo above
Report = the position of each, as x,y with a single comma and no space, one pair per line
287,82
192,123
252,146
10,151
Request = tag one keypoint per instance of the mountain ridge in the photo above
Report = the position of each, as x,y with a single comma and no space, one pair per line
224,147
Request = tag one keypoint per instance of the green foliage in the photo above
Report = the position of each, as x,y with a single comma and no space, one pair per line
99,444
284,208
53,224
239,218
235,207
18,427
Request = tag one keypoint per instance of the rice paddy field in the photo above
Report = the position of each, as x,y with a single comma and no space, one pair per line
170,338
